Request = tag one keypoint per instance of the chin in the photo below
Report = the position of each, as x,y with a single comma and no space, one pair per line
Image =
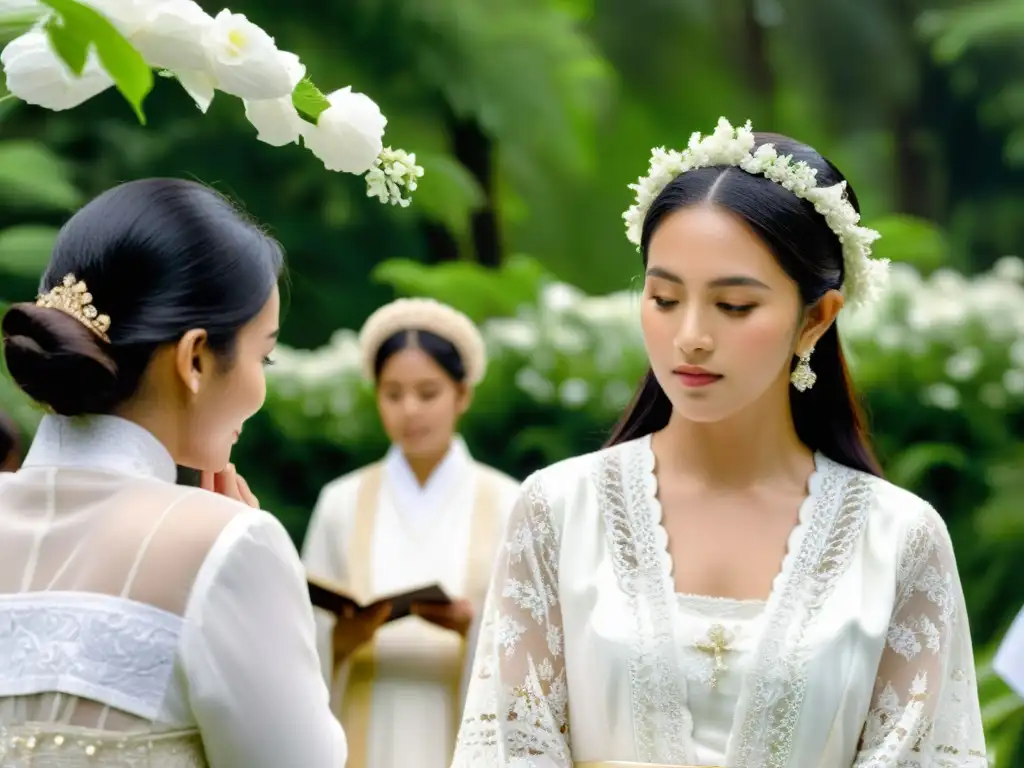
701,409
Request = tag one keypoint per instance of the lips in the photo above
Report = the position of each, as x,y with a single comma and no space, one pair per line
696,377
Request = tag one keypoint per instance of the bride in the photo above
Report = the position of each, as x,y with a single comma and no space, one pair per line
730,582
144,623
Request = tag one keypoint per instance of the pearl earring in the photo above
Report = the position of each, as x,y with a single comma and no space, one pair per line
803,377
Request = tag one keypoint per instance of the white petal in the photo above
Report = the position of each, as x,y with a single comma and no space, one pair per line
276,120
172,36
36,75
244,60
199,85
349,135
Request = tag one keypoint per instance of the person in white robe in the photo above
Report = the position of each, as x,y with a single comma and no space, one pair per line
427,514
730,582
145,624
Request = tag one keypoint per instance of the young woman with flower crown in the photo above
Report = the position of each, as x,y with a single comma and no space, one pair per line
730,582
427,514
143,623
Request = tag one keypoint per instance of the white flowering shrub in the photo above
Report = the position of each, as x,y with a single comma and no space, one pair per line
937,358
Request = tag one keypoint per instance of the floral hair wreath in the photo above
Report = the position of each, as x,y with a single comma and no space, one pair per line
419,314
865,278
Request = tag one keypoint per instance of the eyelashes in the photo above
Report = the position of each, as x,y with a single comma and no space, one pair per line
731,309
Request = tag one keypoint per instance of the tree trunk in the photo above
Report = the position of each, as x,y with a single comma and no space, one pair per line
756,62
475,150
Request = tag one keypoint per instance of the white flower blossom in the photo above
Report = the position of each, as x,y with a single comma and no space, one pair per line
276,121
349,135
393,171
244,61
37,75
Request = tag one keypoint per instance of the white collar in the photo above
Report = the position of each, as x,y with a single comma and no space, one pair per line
448,470
100,442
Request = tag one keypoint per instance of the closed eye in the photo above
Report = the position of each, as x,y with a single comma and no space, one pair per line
735,309
661,303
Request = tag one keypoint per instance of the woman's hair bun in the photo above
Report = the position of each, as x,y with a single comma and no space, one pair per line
58,362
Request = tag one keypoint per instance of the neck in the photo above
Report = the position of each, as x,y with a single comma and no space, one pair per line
757,444
423,466
158,422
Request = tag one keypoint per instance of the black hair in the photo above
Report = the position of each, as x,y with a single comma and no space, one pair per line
10,441
827,417
442,351
160,257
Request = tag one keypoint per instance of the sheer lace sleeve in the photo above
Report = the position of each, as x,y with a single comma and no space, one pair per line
517,706
925,711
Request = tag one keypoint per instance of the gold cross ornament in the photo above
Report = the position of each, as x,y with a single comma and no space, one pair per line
716,644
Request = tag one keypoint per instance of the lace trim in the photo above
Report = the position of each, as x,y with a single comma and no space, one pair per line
108,649
662,723
656,512
769,708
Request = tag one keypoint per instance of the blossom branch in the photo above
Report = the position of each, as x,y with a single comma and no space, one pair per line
83,47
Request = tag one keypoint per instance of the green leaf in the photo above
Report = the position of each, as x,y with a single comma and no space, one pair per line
309,101
81,26
25,250
72,44
912,466
911,240
478,291
33,177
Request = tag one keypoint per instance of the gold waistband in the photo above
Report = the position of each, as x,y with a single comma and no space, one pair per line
621,764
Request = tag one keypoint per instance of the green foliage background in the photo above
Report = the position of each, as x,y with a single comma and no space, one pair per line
531,116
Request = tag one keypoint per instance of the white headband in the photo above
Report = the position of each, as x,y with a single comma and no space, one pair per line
424,315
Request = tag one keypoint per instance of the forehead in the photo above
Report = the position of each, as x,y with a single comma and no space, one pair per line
705,241
410,366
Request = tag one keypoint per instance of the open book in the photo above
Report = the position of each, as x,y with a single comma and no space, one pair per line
332,597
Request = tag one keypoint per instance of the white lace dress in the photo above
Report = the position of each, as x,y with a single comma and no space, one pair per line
861,656
148,625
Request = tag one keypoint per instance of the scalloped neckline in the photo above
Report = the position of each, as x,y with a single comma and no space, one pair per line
793,541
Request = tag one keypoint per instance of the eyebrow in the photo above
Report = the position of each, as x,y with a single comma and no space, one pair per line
729,281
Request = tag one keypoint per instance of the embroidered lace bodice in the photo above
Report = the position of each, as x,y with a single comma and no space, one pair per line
144,624
860,657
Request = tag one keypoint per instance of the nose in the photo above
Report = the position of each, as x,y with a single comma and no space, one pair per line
694,335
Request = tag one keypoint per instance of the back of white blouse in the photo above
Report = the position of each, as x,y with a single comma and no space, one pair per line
147,624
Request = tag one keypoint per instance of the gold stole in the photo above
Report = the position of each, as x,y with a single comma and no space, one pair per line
483,534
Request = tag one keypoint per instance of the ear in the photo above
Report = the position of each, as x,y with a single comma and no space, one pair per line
193,361
464,398
817,320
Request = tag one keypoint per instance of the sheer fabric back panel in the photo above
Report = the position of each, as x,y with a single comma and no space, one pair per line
94,566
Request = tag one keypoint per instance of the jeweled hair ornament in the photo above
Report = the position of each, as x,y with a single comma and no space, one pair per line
71,296
864,278
412,315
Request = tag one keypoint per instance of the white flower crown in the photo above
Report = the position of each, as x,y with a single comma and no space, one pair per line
865,278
